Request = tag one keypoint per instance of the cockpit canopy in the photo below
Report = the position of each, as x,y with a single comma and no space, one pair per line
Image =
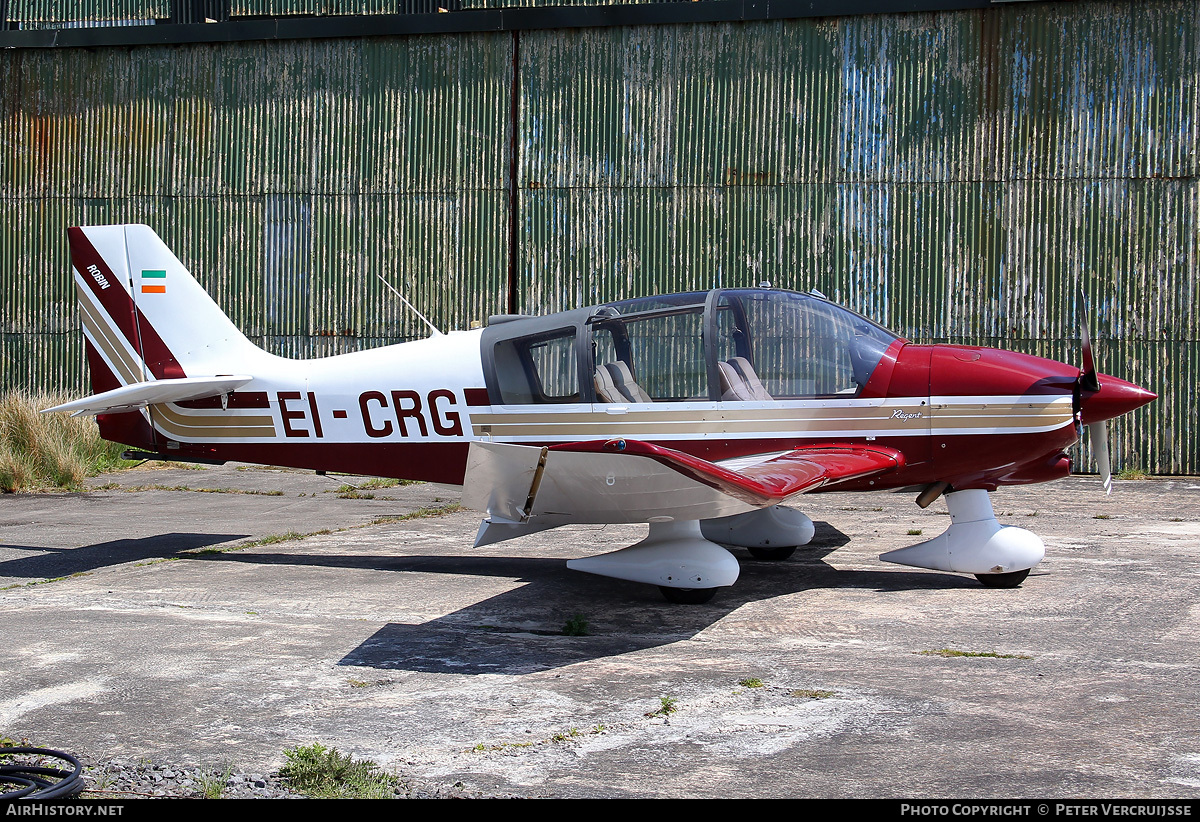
726,345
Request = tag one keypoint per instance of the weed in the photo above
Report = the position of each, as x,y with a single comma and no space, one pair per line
135,488
948,652
323,773
212,786
667,706
275,538
752,682
811,693
9,742
561,736
1176,519
914,532
1132,474
576,626
43,582
429,511
380,482
1102,516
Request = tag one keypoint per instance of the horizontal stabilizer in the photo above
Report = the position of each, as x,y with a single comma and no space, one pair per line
140,394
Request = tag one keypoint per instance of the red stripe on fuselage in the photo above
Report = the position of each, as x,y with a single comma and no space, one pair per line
235,399
427,461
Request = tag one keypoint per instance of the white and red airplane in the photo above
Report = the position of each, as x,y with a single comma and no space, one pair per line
699,414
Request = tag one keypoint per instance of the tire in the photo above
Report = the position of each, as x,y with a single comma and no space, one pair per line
687,596
1011,580
772,553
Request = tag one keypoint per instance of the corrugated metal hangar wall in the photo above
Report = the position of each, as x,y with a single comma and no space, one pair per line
955,175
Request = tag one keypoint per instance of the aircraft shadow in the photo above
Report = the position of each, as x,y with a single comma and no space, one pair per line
51,563
521,630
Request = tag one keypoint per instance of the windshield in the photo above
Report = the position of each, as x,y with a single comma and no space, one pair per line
797,345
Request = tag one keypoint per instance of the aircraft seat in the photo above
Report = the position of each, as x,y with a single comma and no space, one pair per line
739,382
615,383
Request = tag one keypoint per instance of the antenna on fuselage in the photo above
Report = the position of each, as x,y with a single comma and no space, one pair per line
424,319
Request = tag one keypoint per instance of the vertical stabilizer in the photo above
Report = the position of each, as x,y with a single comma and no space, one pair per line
145,314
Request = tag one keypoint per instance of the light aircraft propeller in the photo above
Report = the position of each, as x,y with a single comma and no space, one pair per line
1089,383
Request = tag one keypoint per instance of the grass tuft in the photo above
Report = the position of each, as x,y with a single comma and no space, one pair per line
667,706
812,693
323,773
44,451
948,652
576,626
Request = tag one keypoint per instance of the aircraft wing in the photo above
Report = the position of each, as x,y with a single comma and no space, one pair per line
526,488
140,394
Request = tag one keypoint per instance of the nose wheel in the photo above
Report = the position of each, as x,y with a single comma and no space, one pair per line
773,553
1009,580
687,596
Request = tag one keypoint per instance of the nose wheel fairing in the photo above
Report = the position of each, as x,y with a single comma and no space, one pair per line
975,542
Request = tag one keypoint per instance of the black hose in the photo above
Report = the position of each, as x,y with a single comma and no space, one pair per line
36,781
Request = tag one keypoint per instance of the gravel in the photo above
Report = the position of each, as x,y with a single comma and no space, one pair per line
136,780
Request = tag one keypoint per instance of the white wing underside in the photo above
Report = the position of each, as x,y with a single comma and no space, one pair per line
525,488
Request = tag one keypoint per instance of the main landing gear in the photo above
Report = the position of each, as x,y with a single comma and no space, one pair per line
684,560
675,556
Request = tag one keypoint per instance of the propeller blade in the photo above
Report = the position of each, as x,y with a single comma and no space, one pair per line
1099,434
1087,380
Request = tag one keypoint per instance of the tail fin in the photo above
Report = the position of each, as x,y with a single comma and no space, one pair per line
144,314
152,333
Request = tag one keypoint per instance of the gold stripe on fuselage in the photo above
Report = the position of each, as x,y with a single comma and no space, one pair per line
198,426
168,419
846,419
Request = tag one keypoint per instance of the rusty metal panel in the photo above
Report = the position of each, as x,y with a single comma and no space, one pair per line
958,177
509,4
54,13
834,99
394,114
282,8
1106,90
37,318
277,172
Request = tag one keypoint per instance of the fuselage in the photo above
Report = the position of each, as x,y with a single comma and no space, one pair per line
664,371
